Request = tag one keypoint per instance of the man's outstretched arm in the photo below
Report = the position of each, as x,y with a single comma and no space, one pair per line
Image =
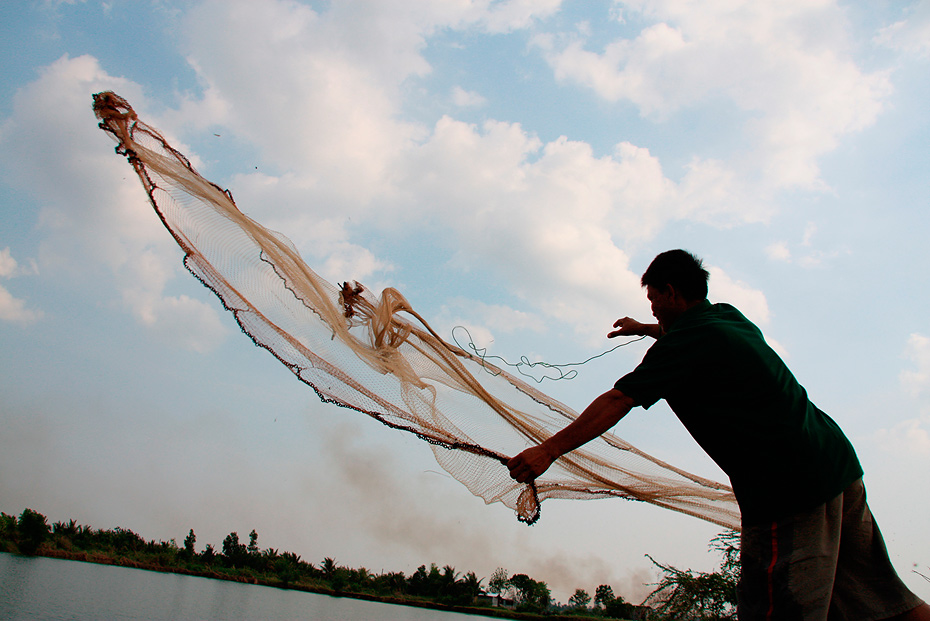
603,413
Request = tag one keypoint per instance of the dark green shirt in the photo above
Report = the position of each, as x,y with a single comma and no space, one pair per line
744,407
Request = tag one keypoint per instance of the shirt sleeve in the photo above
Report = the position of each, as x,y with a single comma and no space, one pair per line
665,370
641,384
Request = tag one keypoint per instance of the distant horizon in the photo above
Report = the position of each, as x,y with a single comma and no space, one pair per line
216,599
62,537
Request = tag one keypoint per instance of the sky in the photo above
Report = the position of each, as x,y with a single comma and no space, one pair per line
511,167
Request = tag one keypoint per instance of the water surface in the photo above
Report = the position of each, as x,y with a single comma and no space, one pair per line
46,588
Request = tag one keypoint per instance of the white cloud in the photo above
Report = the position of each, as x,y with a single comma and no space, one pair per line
322,104
7,263
542,216
507,319
181,320
806,256
474,314
751,302
910,35
809,232
347,261
188,323
620,72
93,208
909,437
320,93
778,252
712,192
817,258
467,99
316,93
11,308
476,322
553,219
14,309
785,65
94,212
512,15
917,381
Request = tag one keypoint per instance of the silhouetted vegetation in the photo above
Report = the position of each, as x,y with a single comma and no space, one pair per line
679,595
686,594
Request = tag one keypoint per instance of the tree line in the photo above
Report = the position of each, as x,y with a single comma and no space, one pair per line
679,594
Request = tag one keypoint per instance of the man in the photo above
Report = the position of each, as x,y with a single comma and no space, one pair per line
809,546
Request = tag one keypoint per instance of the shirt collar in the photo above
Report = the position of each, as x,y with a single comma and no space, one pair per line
692,312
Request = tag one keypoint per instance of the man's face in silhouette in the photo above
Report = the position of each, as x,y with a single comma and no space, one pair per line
667,304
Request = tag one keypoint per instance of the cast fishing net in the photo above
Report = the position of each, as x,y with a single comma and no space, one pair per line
376,355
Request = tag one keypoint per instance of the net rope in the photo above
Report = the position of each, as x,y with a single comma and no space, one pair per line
376,355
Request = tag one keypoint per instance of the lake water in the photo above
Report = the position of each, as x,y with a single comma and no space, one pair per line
45,588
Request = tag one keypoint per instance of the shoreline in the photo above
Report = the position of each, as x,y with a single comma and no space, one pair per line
486,611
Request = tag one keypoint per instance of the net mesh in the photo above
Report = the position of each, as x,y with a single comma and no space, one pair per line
376,355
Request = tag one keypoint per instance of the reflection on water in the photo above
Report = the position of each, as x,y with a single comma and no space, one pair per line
44,588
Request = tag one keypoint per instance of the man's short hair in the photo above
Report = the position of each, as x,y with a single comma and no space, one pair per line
680,269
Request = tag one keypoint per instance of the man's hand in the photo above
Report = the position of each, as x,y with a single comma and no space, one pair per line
531,463
627,327
630,327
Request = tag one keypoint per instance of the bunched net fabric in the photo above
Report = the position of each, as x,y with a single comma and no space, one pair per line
376,355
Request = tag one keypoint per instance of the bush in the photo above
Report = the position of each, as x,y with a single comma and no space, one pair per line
33,530
701,595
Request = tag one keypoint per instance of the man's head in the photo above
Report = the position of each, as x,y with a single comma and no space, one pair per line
675,281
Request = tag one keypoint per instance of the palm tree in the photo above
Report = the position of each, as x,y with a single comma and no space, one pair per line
471,585
269,558
70,529
395,582
328,567
292,557
449,578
